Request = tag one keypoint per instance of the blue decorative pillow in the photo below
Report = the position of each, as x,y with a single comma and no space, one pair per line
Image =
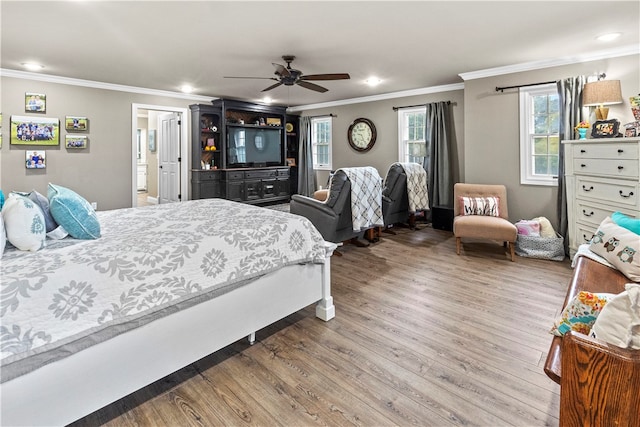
73,212
1,199
624,221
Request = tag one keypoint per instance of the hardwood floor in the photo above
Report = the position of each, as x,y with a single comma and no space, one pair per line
421,337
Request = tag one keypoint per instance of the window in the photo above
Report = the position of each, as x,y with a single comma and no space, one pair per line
321,142
539,135
412,145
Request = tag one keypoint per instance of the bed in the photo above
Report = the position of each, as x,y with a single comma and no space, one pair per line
86,322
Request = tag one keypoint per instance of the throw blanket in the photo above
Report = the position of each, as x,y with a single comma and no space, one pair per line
366,197
416,186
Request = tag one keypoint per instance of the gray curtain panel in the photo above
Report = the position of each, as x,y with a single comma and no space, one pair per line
571,113
307,183
439,160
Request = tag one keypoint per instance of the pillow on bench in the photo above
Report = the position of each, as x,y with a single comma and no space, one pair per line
581,313
619,321
619,246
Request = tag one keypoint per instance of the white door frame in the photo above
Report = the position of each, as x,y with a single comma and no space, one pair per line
185,155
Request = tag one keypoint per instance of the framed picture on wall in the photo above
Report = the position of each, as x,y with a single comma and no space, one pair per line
77,124
34,131
35,159
35,102
75,141
152,140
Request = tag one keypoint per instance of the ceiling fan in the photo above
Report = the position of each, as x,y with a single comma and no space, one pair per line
290,76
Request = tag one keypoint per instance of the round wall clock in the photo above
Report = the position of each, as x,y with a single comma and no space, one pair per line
362,134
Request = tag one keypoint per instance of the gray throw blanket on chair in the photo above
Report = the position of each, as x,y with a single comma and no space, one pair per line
366,197
416,186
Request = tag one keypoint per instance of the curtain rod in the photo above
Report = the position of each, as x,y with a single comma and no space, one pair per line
419,105
322,115
502,89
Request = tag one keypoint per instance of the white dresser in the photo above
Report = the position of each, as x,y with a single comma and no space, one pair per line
602,177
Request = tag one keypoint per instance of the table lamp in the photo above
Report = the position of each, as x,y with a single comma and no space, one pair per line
601,93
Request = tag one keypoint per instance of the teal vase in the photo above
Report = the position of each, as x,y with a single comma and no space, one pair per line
582,133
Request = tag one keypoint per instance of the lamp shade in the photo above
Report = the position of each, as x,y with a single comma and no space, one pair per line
602,92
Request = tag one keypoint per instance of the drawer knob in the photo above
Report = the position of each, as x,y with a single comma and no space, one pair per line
589,189
620,168
587,214
627,195
583,151
583,165
584,237
620,150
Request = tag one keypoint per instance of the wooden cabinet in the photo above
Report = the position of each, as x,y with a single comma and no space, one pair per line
602,177
239,151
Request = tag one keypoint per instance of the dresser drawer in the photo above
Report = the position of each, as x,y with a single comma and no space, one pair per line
622,168
606,151
617,192
594,214
584,233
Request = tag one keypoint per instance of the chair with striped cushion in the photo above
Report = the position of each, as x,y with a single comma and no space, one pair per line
480,212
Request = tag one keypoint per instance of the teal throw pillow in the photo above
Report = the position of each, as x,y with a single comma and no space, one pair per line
73,212
1,199
624,221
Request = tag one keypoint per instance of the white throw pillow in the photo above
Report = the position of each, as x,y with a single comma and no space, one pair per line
24,223
619,320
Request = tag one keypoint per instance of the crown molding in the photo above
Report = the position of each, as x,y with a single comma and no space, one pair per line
4,72
381,97
547,63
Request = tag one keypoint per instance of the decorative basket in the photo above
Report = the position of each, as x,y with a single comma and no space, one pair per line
551,248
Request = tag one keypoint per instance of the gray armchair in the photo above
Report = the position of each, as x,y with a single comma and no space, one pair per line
395,201
332,217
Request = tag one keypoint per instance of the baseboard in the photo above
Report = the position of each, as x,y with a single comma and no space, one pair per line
152,200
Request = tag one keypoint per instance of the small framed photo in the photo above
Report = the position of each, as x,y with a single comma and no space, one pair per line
152,140
35,159
75,141
632,129
77,124
35,102
34,131
291,161
605,129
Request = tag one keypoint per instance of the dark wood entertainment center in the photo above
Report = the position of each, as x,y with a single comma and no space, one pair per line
240,152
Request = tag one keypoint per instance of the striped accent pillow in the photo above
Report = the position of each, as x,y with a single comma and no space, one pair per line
487,206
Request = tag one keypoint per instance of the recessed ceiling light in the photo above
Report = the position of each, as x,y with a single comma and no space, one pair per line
373,81
608,37
186,89
32,66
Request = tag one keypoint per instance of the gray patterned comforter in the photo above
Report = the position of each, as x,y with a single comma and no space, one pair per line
149,261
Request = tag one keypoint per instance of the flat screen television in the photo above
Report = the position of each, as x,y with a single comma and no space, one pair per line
254,147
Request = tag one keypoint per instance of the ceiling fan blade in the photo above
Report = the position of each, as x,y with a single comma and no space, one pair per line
334,76
281,70
272,87
312,86
240,77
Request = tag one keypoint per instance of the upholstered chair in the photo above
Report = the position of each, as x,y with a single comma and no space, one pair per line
487,226
395,202
332,216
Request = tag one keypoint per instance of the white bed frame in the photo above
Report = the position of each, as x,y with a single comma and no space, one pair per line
69,389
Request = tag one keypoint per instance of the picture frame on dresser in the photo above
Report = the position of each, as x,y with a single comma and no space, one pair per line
605,129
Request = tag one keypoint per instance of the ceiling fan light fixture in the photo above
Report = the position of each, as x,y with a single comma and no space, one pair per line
267,100
186,89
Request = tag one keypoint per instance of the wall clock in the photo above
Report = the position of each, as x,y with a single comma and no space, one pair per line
362,134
